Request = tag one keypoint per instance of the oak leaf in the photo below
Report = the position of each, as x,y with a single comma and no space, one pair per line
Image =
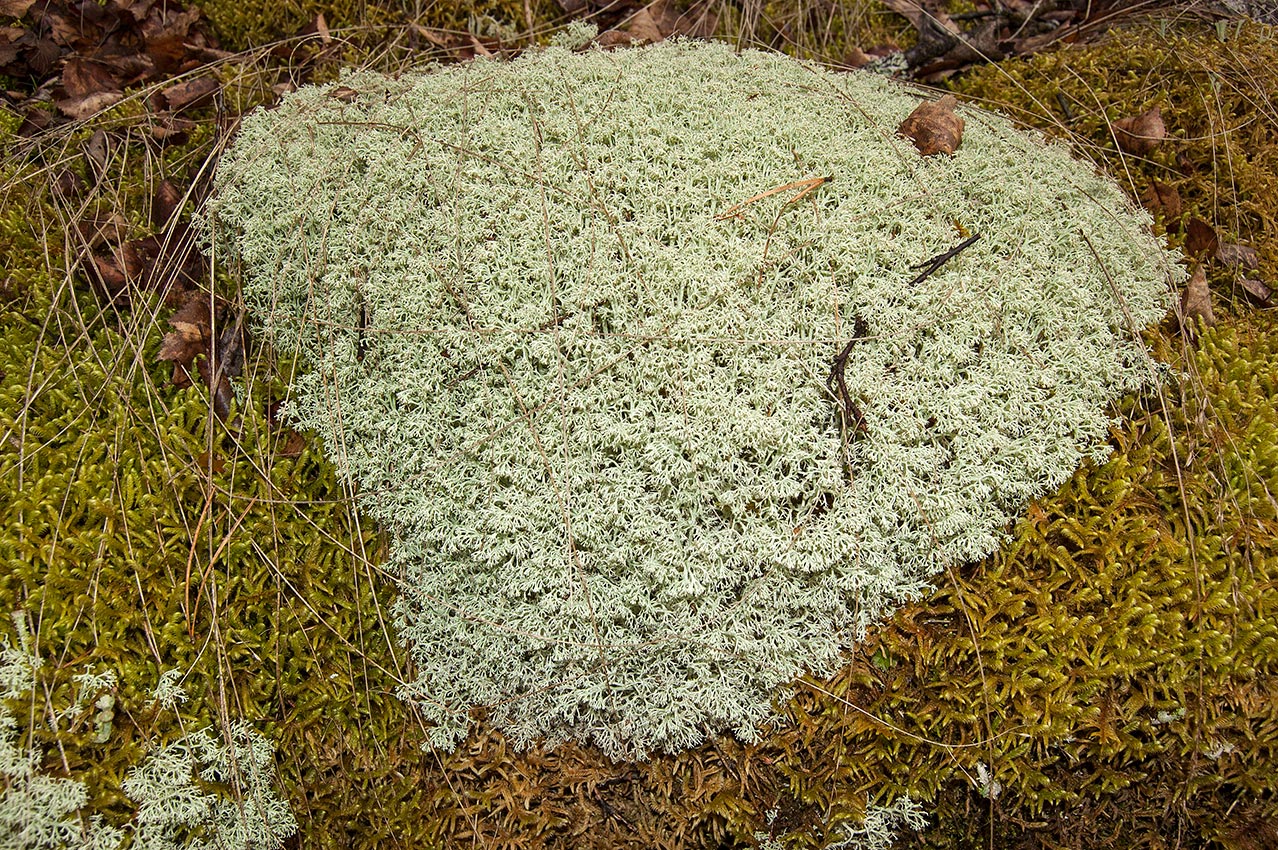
1141,134
933,127
1195,303
1256,290
1242,256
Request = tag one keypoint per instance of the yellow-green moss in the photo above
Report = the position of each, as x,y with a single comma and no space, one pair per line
825,32
245,25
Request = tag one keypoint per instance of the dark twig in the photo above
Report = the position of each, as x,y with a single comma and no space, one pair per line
930,266
853,418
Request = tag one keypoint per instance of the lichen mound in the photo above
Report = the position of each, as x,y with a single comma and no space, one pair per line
631,354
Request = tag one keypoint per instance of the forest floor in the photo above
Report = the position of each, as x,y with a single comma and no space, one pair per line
162,516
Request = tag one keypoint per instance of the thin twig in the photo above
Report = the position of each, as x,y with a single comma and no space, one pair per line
930,266
853,418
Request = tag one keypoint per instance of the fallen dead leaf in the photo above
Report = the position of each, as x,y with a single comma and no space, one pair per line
1256,290
204,460
34,121
81,108
68,185
698,19
15,8
642,26
1141,134
166,203
1241,256
116,271
293,444
191,94
192,327
933,127
610,39
204,336
1201,240
1163,201
855,57
83,78
96,230
10,44
1195,303
171,131
98,151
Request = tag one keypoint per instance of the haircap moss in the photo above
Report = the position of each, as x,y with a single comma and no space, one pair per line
631,353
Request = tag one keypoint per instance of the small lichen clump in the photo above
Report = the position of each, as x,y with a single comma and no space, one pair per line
180,789
573,325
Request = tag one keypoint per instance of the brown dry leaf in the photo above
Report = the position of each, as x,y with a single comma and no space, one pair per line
1201,240
699,19
84,77
166,203
34,121
109,277
1195,303
293,444
855,57
435,37
82,108
117,270
171,34
1242,256
345,94
96,230
642,26
171,131
15,8
130,69
1141,134
192,330
933,127
97,150
191,94
214,461
11,44
1163,201
217,356
1256,290
614,38
908,9
68,185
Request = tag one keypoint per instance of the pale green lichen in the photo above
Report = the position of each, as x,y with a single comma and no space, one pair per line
569,335
177,809
201,792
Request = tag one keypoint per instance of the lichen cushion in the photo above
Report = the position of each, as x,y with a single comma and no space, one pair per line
638,357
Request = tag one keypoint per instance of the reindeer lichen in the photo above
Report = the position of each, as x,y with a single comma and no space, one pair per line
631,353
